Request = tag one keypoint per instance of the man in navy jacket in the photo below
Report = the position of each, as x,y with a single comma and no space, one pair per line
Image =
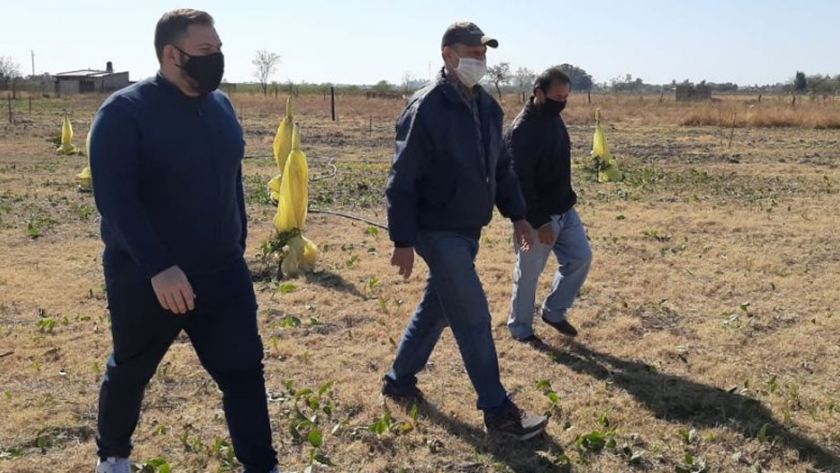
449,169
166,157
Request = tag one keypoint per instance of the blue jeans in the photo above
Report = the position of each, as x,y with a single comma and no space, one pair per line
223,331
453,296
574,256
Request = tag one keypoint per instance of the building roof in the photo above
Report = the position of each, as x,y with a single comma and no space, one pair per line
85,73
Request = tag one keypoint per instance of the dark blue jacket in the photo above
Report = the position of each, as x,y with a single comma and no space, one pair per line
167,179
450,166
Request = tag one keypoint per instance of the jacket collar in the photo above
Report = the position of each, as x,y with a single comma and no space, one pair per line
454,91
165,85
535,110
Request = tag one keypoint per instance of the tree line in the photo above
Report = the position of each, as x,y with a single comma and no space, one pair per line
501,78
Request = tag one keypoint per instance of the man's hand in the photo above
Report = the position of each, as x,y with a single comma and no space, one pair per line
173,290
403,258
546,234
522,234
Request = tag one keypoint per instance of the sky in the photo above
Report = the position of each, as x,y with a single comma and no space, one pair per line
364,41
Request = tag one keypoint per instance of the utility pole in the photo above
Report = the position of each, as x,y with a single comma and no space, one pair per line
33,63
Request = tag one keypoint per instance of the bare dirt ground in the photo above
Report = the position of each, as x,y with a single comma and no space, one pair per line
709,332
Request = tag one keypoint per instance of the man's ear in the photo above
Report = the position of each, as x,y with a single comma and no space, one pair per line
171,55
449,56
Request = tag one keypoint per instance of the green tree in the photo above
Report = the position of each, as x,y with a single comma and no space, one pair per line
382,87
823,84
9,71
581,80
499,75
524,80
800,82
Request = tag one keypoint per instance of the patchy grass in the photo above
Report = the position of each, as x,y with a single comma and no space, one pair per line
709,338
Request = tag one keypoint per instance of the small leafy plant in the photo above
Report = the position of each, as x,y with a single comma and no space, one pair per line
691,465
156,465
544,385
311,415
387,423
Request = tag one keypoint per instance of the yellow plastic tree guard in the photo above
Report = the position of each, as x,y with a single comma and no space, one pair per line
604,161
66,146
292,209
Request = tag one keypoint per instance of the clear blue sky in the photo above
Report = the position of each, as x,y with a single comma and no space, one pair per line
364,41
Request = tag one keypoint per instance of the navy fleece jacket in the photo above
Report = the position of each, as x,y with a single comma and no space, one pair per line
167,179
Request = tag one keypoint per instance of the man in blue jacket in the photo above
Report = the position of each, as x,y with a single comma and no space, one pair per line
540,148
166,157
449,169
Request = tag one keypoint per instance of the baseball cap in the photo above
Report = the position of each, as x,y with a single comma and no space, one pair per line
466,33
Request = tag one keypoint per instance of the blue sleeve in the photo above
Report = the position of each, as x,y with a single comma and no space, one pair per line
407,171
240,198
240,190
115,167
508,195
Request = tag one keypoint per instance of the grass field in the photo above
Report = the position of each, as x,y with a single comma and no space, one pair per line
710,338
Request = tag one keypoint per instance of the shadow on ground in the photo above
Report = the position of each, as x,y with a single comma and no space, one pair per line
677,399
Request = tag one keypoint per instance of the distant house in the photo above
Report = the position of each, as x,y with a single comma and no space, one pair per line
89,81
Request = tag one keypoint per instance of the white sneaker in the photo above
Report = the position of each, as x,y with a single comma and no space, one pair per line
114,465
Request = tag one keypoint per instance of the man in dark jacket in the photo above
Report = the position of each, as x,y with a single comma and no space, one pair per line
166,156
539,146
449,169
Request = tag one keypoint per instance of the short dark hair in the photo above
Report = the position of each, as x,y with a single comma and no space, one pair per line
549,77
173,25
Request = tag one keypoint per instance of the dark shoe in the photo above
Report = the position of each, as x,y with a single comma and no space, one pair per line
410,394
563,327
515,422
532,340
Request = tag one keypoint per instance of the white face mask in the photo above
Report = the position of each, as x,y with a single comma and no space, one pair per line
470,70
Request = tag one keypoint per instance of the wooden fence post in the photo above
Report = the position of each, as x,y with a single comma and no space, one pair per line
332,102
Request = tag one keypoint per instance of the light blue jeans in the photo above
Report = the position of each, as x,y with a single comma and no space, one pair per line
453,297
574,257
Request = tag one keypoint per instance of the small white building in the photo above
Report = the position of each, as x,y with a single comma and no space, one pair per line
90,81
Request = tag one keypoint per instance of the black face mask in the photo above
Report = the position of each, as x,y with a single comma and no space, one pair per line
206,71
553,107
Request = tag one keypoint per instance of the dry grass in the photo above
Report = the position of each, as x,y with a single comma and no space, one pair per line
708,321
817,115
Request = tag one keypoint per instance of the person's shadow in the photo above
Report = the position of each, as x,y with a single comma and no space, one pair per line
521,457
674,398
335,282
